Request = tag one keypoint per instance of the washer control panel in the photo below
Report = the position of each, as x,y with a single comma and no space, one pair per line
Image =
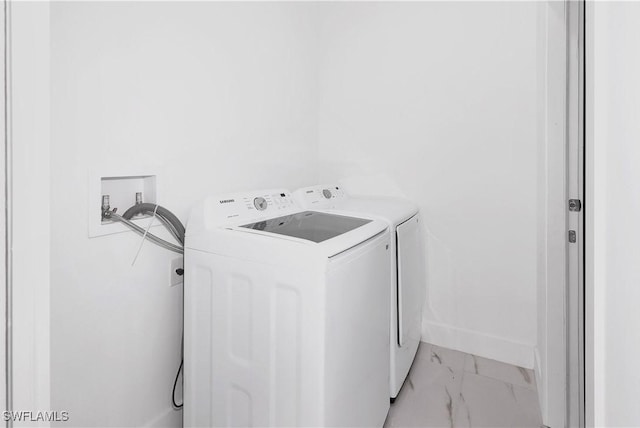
249,206
321,196
268,201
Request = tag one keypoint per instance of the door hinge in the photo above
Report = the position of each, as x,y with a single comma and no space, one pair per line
572,236
575,205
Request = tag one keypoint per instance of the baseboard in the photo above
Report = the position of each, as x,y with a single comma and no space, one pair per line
478,343
537,369
170,418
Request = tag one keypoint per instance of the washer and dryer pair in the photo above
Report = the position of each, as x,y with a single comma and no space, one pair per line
287,313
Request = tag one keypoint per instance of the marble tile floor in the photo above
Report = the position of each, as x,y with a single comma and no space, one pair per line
447,388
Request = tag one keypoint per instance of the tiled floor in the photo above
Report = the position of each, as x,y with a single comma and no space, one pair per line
447,388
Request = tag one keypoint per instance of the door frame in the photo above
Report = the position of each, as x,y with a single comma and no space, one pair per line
27,222
576,219
5,220
560,263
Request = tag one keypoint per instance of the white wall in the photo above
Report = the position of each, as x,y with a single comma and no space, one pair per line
437,102
550,354
613,210
214,96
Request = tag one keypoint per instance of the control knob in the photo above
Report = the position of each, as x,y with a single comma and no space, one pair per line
327,193
260,203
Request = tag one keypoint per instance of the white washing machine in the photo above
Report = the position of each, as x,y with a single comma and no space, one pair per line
286,315
407,275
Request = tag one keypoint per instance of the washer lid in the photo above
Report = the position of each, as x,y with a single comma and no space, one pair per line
310,225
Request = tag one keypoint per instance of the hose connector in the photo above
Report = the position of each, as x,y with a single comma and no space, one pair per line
106,209
106,213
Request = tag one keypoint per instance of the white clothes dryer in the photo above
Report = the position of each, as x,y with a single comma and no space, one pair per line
286,315
407,275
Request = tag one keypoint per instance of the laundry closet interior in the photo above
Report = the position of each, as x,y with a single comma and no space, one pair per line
232,114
